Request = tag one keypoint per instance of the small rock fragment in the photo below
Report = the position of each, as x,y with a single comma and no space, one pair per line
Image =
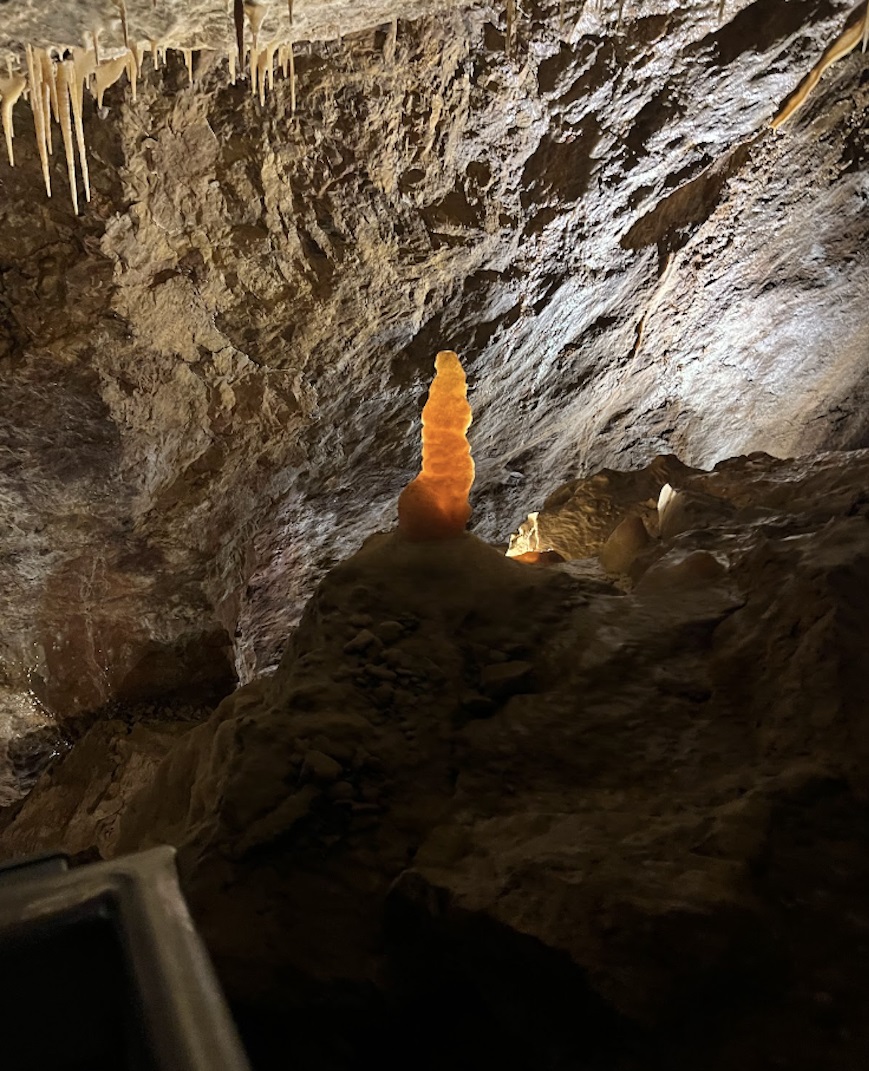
361,642
390,632
341,790
320,767
381,673
623,545
506,679
475,705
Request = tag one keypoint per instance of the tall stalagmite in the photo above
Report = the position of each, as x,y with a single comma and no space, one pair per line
435,505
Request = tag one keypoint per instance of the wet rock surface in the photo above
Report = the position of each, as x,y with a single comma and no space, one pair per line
490,811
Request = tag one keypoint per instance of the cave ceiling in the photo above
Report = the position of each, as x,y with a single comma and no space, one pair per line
212,374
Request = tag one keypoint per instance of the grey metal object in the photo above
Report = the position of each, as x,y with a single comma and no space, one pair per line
138,953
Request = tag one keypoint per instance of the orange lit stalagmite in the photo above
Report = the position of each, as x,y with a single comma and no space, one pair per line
435,504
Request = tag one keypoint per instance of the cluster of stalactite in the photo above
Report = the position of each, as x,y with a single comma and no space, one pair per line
55,81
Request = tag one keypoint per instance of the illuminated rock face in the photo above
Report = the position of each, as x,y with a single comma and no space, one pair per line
177,413
435,505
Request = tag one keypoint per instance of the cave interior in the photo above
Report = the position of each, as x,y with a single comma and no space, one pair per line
513,718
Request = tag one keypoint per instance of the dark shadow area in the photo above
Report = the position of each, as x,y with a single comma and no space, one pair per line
68,1002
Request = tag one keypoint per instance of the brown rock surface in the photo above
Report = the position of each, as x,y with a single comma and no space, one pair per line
647,849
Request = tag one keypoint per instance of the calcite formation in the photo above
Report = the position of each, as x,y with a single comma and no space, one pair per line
56,79
855,32
53,78
435,505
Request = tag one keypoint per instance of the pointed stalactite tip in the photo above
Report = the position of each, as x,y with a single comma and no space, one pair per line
435,505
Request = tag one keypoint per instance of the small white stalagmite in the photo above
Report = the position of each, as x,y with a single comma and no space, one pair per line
34,72
11,89
63,88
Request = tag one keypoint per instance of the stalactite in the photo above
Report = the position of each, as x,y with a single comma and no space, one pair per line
63,88
84,63
122,8
391,43
846,42
188,62
256,14
510,36
155,52
106,74
253,63
46,65
49,75
36,106
139,50
292,81
265,69
238,18
11,89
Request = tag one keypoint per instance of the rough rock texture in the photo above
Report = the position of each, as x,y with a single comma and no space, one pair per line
502,813
211,380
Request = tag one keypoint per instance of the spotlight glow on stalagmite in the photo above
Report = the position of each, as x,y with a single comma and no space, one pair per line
435,505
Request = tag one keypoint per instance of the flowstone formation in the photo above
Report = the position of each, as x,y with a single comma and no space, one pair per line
488,814
435,504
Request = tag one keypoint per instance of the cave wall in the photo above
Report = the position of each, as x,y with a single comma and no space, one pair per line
212,378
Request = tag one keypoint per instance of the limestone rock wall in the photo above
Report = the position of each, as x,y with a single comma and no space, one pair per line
212,380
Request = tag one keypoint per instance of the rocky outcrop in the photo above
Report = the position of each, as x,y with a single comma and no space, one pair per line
512,810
